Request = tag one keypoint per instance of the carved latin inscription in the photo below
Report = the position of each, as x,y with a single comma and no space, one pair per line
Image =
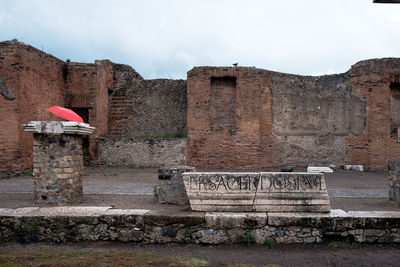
263,191
253,183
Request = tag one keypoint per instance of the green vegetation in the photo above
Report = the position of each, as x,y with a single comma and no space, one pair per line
27,172
31,229
249,239
342,244
155,192
188,233
270,243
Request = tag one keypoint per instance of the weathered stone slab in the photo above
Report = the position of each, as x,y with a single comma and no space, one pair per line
300,192
221,191
58,127
319,169
394,180
261,192
171,189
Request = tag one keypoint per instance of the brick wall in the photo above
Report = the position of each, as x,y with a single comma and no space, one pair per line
236,117
37,80
114,98
247,117
229,118
9,123
371,79
87,89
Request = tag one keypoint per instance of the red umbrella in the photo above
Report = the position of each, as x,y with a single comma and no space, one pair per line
65,113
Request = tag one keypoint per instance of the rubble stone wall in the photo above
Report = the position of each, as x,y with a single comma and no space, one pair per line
80,224
142,152
57,168
145,108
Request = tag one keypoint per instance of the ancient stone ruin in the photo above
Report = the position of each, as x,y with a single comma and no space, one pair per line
219,117
257,192
58,160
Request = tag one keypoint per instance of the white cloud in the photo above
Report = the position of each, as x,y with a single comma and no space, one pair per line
166,38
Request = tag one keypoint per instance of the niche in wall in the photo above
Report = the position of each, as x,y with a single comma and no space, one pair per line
394,108
223,103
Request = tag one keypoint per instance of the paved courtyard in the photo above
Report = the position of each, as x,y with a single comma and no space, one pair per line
124,188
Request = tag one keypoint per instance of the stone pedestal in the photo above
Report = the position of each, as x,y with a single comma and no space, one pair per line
394,180
171,189
58,160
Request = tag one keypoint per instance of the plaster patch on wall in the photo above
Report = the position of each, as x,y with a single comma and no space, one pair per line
305,105
358,113
6,91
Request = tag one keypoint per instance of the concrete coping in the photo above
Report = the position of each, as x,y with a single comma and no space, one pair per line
58,127
78,211
245,173
75,211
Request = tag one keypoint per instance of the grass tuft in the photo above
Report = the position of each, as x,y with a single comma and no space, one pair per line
249,239
270,243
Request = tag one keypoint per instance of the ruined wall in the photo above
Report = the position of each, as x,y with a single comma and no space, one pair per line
237,117
37,80
114,98
146,107
141,113
312,117
376,81
229,117
9,123
87,93
247,117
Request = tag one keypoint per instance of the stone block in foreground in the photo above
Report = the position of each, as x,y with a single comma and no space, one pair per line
261,192
171,189
394,180
58,160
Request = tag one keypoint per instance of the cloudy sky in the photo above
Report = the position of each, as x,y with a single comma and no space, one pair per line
166,38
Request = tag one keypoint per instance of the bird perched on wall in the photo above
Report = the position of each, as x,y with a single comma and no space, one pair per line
235,64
